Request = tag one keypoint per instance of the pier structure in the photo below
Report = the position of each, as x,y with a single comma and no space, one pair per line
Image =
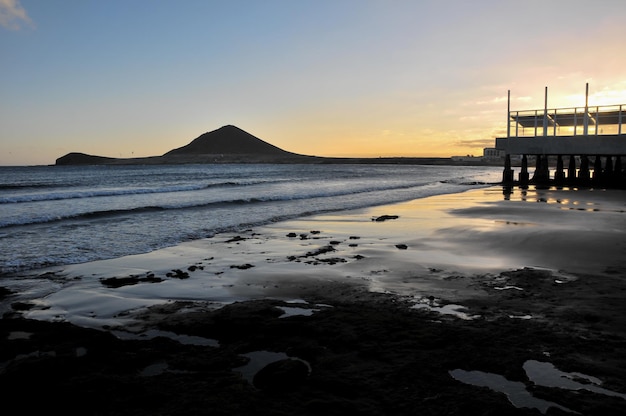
585,145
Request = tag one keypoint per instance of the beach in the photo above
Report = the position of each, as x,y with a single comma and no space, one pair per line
465,303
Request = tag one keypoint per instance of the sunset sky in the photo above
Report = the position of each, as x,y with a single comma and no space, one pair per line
130,78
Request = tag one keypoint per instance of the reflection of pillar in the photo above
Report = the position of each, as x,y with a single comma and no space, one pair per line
571,169
608,175
559,175
523,175
583,174
507,174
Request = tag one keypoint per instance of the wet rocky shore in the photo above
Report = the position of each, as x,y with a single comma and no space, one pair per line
340,350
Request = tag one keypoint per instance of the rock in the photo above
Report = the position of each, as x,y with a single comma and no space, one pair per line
401,246
242,266
179,274
4,292
115,282
291,235
281,375
385,218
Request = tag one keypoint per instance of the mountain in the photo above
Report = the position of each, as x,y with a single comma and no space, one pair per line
228,144
229,140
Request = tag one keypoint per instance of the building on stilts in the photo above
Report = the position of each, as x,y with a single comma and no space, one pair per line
591,140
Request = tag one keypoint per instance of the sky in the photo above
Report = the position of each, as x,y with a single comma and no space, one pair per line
363,78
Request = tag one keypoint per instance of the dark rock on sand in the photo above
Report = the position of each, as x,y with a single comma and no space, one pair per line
236,239
115,282
242,266
319,251
385,218
178,274
401,246
4,292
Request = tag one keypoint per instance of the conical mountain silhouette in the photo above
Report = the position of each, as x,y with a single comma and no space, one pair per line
229,140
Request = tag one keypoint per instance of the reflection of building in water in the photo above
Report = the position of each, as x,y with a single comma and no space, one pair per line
590,138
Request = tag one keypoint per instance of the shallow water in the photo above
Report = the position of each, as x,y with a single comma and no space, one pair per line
539,373
56,215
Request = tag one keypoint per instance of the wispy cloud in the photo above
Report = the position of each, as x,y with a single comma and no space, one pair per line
13,15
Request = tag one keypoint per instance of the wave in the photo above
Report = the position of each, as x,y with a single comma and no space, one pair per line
421,190
79,194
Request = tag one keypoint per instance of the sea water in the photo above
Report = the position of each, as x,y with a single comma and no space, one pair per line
56,215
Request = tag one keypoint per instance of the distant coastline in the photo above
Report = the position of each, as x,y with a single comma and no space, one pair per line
230,144
85,159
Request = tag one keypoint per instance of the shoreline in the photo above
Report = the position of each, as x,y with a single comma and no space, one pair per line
425,246
476,281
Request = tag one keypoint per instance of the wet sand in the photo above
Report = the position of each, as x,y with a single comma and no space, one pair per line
362,316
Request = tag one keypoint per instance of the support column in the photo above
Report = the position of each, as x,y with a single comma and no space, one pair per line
583,173
571,169
597,171
545,114
541,175
559,176
586,115
507,174
523,175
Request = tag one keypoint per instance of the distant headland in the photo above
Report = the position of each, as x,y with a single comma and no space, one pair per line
230,144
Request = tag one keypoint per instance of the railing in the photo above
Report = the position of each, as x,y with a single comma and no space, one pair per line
597,120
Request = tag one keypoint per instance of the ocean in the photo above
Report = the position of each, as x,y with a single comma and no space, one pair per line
57,215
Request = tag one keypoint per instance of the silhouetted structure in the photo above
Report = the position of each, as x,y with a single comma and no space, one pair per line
580,133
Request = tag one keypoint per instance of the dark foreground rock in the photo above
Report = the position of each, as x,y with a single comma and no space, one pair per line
366,354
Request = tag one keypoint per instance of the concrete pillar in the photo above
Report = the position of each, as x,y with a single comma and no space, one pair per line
617,170
559,176
571,169
607,176
608,167
597,171
541,175
523,175
507,174
583,173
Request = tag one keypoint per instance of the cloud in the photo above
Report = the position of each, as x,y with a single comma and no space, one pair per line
13,15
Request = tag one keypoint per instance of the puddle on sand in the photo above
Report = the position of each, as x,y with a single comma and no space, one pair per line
539,373
296,310
450,309
181,338
260,359
19,335
547,375
515,391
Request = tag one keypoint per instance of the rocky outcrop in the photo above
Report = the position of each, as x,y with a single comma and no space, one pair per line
83,159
